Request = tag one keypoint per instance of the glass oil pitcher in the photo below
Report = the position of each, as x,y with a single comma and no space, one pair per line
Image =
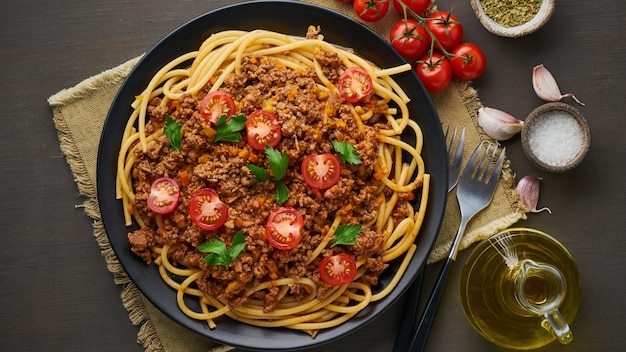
520,289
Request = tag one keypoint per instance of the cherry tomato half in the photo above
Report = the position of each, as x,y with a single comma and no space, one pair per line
206,209
321,171
434,72
370,10
468,61
417,6
216,104
164,195
446,28
337,270
284,228
355,84
263,129
409,38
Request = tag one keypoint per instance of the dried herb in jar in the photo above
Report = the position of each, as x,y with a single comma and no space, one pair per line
511,13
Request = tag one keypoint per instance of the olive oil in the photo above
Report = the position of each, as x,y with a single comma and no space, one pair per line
488,288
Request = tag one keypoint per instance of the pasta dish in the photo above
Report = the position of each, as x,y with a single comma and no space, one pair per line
270,180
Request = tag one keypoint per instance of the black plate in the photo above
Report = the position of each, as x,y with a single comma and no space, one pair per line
291,18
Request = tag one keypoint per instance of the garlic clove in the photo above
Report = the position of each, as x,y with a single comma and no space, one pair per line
546,87
528,190
498,124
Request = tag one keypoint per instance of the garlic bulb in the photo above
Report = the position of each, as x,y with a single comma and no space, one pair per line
498,124
546,87
528,190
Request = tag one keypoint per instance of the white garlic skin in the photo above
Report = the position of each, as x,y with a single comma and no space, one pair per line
545,86
528,191
498,124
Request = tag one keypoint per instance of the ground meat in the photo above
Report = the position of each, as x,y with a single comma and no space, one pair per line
310,120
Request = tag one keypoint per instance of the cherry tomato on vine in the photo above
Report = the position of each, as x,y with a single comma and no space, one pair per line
417,6
164,195
284,228
321,171
355,84
370,10
206,209
434,72
263,129
446,28
409,38
468,61
337,270
216,104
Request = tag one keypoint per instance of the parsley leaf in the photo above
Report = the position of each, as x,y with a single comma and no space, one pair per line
219,254
347,152
228,131
172,131
278,162
259,173
346,234
282,192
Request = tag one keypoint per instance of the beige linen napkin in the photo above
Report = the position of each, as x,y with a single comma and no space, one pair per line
79,114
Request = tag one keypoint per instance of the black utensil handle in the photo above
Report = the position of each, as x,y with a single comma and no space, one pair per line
418,342
409,318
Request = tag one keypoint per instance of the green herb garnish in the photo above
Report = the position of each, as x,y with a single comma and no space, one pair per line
347,152
228,131
346,234
219,254
278,163
172,131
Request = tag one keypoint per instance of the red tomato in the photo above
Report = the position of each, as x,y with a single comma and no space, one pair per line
164,195
434,72
417,6
321,171
370,10
409,38
263,129
468,61
216,104
284,228
446,28
337,270
355,84
206,209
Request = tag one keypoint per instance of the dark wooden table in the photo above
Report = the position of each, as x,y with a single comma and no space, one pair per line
55,290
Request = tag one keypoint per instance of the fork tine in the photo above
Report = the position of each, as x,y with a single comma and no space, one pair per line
498,168
454,155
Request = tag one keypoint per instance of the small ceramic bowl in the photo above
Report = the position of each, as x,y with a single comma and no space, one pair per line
555,137
543,15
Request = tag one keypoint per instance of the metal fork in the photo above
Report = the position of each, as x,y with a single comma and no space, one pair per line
407,326
474,192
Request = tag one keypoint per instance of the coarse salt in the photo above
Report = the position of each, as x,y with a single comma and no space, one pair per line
556,138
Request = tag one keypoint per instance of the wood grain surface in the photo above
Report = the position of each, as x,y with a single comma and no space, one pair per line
56,293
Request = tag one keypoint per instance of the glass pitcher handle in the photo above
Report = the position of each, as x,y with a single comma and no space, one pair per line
556,324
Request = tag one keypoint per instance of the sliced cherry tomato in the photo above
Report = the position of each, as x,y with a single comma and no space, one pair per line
446,28
321,171
417,6
337,270
409,38
468,61
434,72
263,129
355,84
370,10
164,195
284,228
206,209
216,104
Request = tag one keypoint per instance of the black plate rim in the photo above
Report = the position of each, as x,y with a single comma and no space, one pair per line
158,293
